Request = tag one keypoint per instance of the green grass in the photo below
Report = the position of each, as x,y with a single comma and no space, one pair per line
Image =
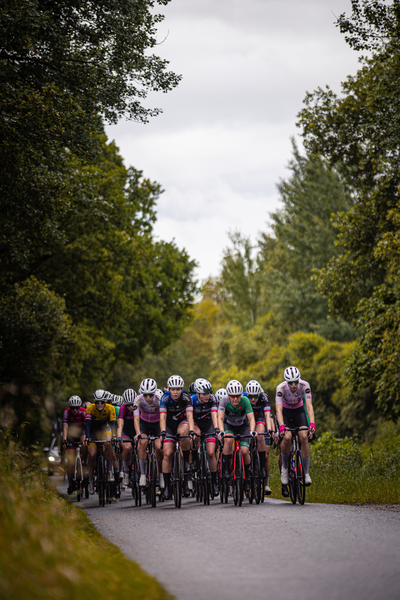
345,472
51,551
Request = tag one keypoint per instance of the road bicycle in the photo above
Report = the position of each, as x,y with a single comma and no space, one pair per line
256,492
177,473
237,477
151,477
202,476
135,474
102,485
297,485
80,483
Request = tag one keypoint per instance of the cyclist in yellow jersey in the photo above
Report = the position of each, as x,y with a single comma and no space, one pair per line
100,424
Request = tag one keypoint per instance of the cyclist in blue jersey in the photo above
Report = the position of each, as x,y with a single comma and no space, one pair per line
176,416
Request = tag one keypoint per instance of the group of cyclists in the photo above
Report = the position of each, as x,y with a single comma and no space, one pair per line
128,420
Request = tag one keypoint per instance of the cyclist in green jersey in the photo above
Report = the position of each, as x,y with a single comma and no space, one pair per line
235,415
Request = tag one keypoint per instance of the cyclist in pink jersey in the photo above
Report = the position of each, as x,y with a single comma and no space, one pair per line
73,431
289,405
147,422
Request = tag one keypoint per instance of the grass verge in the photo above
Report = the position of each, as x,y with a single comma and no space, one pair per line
345,472
51,551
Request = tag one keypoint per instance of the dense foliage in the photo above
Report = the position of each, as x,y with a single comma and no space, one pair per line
84,283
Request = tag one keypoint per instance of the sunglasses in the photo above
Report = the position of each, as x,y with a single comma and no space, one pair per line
293,382
99,402
252,396
129,405
236,397
148,395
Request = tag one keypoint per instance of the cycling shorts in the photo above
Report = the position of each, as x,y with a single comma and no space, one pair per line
294,417
171,428
243,429
100,434
206,426
152,429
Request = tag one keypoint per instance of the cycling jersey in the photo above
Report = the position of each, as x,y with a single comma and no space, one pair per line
202,410
148,411
176,411
261,407
235,416
288,399
99,419
76,419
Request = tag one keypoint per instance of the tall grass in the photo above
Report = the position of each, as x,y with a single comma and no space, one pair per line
344,471
50,550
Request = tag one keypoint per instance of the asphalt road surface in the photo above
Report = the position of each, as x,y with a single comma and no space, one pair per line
273,550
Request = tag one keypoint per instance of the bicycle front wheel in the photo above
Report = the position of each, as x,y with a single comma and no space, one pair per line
238,480
292,479
101,480
301,483
78,476
153,481
178,470
206,480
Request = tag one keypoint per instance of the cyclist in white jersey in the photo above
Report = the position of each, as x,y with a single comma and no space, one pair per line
289,406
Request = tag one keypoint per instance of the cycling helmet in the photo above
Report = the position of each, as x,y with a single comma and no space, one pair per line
117,400
253,387
202,386
159,392
148,386
234,388
191,389
129,396
75,401
291,374
219,394
175,381
100,395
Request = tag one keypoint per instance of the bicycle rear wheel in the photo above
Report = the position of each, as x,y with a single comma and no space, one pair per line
301,484
292,478
238,480
178,471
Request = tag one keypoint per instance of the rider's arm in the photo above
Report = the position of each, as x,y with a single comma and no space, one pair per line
136,422
189,416
88,422
120,426
310,411
65,431
252,421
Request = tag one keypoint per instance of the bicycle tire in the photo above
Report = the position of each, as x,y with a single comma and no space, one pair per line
78,475
292,478
138,492
239,479
101,480
256,480
301,484
206,480
178,479
153,481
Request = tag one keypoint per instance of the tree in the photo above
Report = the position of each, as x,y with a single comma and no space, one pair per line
359,133
63,67
303,241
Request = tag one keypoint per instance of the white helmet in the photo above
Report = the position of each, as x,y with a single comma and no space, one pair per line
117,400
100,395
292,374
75,401
253,388
175,381
219,394
159,392
148,386
129,396
202,386
234,388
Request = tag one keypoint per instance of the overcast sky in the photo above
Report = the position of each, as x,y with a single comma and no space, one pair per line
223,141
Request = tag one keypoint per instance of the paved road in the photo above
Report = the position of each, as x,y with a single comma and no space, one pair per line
275,549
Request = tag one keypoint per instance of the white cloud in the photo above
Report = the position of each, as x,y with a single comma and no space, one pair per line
223,142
